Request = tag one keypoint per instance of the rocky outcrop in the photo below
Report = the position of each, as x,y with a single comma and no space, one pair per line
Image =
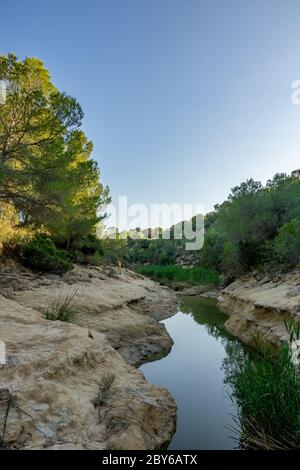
67,385
258,305
119,303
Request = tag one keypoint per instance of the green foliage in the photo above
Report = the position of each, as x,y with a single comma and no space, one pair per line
11,232
61,307
266,387
197,275
213,254
114,252
97,258
256,227
231,261
157,251
88,245
155,246
286,246
293,328
41,254
35,122
46,171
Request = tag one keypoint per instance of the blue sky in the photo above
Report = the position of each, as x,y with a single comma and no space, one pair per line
183,99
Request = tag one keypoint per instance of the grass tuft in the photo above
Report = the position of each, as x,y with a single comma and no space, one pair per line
60,307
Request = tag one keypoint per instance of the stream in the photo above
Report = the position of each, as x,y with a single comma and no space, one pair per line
195,374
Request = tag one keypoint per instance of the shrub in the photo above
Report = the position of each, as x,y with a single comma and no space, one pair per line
41,254
231,260
97,258
79,257
88,245
287,244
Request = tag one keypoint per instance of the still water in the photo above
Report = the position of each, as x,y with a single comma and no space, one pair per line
195,374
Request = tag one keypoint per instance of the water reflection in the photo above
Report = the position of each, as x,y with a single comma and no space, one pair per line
195,373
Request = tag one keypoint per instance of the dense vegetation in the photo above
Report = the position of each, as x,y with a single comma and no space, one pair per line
49,184
41,254
257,227
197,275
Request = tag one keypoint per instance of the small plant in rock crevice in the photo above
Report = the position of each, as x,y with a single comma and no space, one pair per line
61,306
104,390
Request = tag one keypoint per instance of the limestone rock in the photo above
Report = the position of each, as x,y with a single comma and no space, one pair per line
56,372
114,301
258,305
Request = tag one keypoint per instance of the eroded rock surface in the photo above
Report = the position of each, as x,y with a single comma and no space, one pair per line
258,305
69,386
117,302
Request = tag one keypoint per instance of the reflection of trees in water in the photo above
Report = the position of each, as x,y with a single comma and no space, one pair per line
235,353
205,312
249,433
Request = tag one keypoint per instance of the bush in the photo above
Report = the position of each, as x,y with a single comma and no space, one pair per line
78,257
231,262
287,244
97,258
88,245
41,254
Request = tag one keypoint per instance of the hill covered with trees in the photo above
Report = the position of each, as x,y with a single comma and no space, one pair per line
257,227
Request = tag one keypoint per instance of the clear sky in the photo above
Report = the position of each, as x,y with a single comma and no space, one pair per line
183,99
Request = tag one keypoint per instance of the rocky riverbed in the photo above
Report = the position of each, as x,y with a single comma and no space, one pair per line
74,385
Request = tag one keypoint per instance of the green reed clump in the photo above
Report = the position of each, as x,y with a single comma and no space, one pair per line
196,275
61,306
266,388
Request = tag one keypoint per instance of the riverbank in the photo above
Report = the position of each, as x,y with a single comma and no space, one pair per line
76,385
258,305
72,385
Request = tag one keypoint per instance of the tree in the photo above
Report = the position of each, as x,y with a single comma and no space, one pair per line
79,191
46,171
240,233
35,120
